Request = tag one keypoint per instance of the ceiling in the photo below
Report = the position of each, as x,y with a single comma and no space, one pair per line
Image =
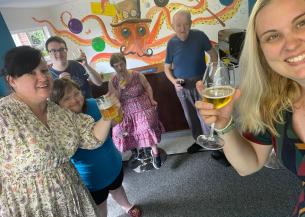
30,3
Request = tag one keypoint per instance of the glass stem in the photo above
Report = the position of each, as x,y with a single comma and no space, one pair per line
212,130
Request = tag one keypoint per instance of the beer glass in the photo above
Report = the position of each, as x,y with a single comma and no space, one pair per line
219,82
108,110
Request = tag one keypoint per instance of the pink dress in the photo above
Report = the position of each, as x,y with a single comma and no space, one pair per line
140,126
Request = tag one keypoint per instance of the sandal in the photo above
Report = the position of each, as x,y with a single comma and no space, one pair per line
135,211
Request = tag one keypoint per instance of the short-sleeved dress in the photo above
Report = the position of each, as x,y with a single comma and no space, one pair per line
141,126
36,175
290,150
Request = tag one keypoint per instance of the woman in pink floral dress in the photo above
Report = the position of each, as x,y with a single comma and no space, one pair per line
140,126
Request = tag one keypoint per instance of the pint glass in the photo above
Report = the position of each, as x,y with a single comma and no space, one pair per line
108,110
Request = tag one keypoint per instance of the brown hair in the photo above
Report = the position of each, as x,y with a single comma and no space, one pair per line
60,87
55,39
21,60
117,57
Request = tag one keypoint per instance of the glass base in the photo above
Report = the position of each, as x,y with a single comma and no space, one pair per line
210,143
273,162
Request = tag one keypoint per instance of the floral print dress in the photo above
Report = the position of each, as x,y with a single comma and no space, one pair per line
141,126
36,176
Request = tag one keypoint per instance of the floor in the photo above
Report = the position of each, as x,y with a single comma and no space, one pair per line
194,186
176,142
172,142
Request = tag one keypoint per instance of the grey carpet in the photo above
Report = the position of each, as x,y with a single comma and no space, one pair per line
198,186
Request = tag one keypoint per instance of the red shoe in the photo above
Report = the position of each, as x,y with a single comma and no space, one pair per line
135,211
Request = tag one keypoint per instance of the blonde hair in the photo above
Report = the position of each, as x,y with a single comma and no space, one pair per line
265,93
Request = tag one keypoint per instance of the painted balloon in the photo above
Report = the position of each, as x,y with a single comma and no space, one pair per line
161,3
226,2
98,44
75,26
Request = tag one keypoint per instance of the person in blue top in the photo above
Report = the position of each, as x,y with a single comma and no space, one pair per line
100,169
80,72
184,65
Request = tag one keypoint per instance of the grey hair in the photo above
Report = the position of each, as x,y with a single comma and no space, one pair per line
183,12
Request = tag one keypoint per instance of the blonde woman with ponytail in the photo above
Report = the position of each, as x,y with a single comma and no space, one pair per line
270,101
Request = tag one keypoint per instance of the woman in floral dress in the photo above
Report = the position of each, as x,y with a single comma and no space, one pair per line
37,139
140,126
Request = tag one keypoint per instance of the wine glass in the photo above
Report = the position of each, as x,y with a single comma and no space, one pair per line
219,82
273,162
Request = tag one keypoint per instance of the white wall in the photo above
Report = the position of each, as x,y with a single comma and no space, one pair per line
18,19
21,18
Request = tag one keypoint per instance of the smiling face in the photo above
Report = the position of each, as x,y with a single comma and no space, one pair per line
34,86
280,28
58,52
73,100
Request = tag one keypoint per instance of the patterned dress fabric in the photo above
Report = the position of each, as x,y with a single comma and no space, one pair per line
140,126
36,176
290,151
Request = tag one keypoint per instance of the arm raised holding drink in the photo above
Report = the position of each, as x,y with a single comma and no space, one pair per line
219,89
115,116
271,109
245,156
42,138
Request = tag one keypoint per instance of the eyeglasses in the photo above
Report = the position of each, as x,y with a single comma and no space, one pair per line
60,50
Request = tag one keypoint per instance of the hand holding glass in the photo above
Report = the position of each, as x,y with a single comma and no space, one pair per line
218,90
109,110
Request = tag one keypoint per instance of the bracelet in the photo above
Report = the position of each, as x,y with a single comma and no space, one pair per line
227,128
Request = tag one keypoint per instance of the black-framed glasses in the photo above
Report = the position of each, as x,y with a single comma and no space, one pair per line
60,50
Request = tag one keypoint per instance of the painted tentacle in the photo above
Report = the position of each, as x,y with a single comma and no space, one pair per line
62,18
155,31
224,14
165,15
199,8
151,40
101,57
112,42
162,41
65,33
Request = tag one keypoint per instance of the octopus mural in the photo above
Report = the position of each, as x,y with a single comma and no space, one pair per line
138,38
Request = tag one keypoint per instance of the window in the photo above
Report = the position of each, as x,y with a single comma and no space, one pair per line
33,37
